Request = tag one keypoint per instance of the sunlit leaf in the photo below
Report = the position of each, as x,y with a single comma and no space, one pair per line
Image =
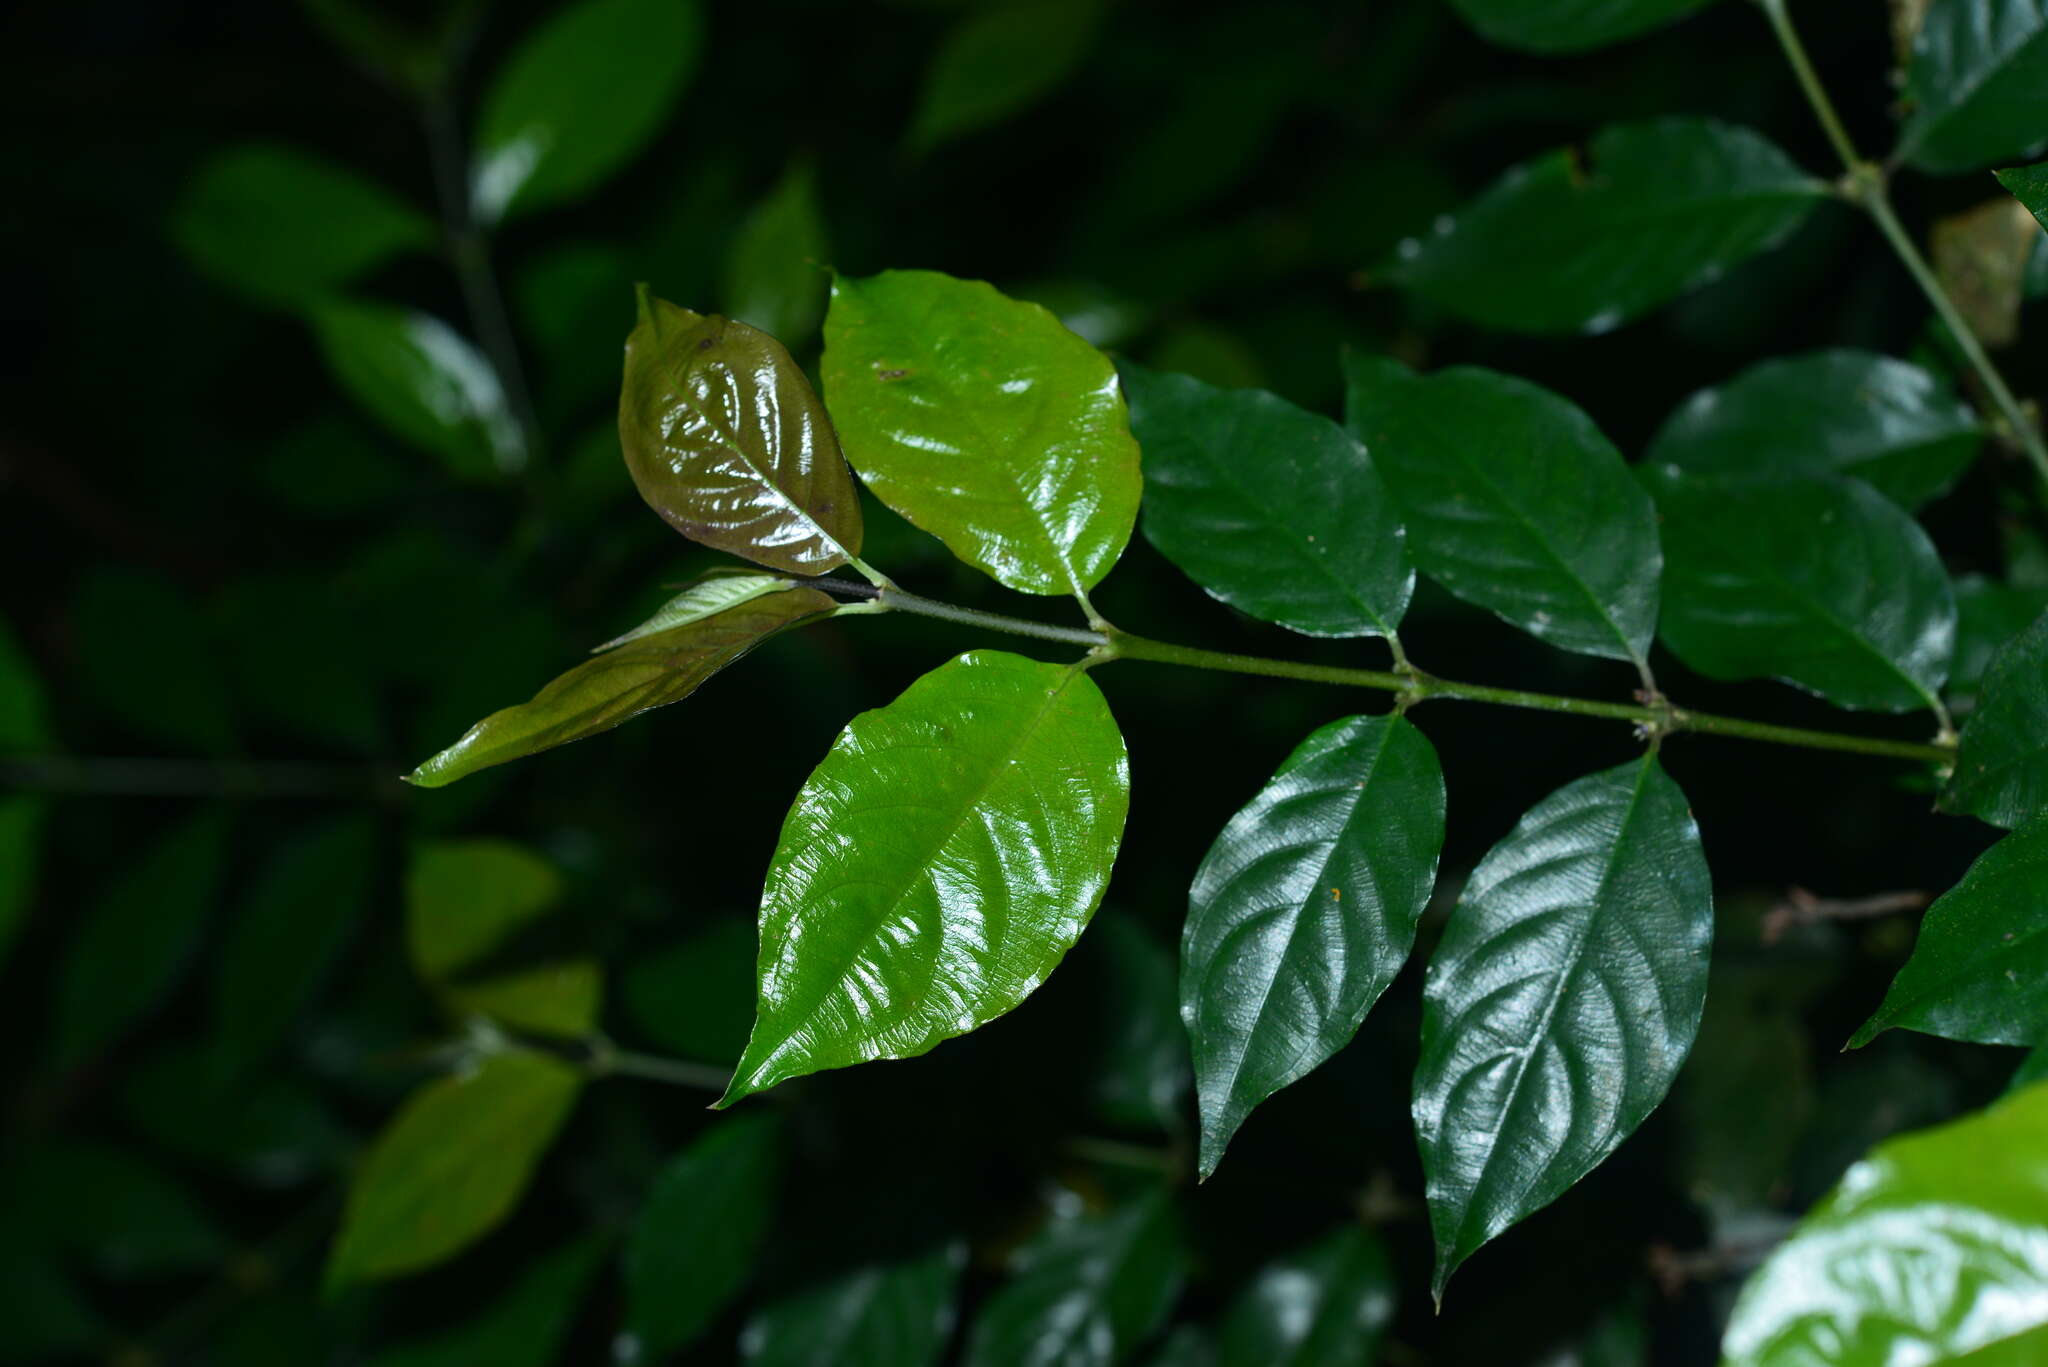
1583,243
937,865
1274,510
984,421
1561,1001
451,1165
1553,26
726,441
463,901
424,381
883,1315
1975,84
1000,58
703,597
523,1327
1325,1306
1304,910
2001,773
775,271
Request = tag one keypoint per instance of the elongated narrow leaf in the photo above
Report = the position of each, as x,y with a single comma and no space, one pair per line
1885,421
1930,1251
2029,185
1583,243
525,1326
1819,581
1561,1002
1977,84
1276,511
886,1315
1303,912
2001,773
936,867
1514,501
1325,1306
706,596
650,671
775,271
997,60
1980,968
451,1165
579,99
1087,1291
463,901
984,421
423,381
726,440
1553,26
693,1244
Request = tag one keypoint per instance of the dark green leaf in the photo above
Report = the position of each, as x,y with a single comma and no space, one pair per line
1325,1306
331,468
126,1217
884,1315
424,382
579,99
43,1318
1087,1291
2032,1069
1276,511
1567,243
525,1327
463,901
1553,26
726,441
2029,185
650,672
144,653
139,936
1304,910
451,1165
285,227
1977,84
1144,1070
300,669
1988,615
775,271
693,1244
985,422
1930,1251
2001,773
1980,968
1820,581
1514,501
1618,1338
998,59
696,998
937,865
1830,412
1561,1001
1187,1346
271,1130
23,725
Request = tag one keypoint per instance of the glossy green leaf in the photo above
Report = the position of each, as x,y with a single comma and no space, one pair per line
1274,510
1144,1070
2029,185
272,1130
696,998
139,936
1979,970
776,269
726,441
649,672
985,422
1885,421
694,1242
705,596
1583,243
579,98
1325,1306
1514,501
884,1315
424,381
1930,1252
1304,910
451,1165
998,59
1553,26
1977,84
122,618
1087,1291
1820,581
2001,773
286,227
936,867
307,901
464,901
125,1216
524,1327
1561,1001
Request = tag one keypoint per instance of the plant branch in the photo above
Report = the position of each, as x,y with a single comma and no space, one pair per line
608,1060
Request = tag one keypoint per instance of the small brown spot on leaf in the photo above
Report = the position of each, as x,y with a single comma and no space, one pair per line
890,374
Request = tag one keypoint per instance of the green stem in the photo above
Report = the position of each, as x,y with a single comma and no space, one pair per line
1809,81
898,600
607,1060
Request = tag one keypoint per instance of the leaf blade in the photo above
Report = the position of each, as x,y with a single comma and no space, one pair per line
2001,772
896,1314
1975,83
1562,26
1323,1306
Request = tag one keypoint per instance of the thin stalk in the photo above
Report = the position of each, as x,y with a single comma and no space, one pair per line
898,600
607,1061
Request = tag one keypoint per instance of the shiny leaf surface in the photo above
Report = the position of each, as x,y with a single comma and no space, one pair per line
2001,773
1930,1251
997,60
775,271
1819,581
652,671
1571,243
884,1315
1553,26
525,1326
1304,910
1274,510
1977,84
703,597
2029,185
1979,970
726,440
451,1165
1325,1306
693,1243
937,865
1887,422
984,421
1561,1001
463,901
579,99
1514,501
423,381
